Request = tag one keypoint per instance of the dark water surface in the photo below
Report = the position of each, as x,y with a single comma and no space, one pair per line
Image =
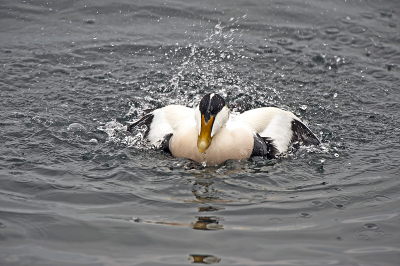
76,189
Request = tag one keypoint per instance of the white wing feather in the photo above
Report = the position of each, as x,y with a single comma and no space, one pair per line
270,122
168,119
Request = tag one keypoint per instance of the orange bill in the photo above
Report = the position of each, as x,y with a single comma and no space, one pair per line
204,140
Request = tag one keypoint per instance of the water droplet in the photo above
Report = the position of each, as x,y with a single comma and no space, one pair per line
75,127
356,29
363,236
319,58
390,67
317,203
275,220
93,141
285,42
305,215
371,226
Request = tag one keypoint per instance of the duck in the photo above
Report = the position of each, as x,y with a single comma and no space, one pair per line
211,134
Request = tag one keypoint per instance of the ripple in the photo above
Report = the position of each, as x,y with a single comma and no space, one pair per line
356,29
317,203
369,219
367,15
387,14
340,201
379,74
371,250
65,186
76,127
379,199
339,206
284,42
345,39
385,51
305,34
347,20
364,234
18,198
26,253
332,30
275,220
22,179
303,262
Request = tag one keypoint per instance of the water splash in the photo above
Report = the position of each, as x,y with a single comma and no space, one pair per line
118,134
209,65
190,71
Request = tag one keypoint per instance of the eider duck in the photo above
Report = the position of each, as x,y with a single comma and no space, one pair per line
210,134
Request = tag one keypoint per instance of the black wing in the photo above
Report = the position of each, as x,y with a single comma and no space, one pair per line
145,120
165,143
303,135
264,146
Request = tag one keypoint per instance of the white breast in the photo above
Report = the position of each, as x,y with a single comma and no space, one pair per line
235,142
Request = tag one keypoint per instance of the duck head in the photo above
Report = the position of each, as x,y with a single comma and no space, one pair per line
211,115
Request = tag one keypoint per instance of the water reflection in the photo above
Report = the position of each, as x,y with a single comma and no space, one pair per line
210,209
207,223
203,193
206,259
